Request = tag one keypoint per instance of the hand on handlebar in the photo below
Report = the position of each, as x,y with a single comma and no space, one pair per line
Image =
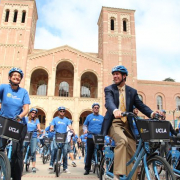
158,115
117,113
18,118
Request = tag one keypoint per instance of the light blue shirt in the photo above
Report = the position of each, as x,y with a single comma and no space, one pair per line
60,125
12,101
94,124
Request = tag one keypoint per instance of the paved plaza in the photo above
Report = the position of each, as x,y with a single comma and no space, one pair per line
43,172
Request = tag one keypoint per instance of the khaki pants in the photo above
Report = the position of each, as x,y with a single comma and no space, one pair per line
125,147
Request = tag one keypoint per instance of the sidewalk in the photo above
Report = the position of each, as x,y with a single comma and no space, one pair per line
43,172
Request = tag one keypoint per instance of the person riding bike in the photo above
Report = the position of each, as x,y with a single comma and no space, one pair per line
93,124
15,105
120,98
33,124
60,124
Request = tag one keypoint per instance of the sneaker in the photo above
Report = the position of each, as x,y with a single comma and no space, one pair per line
66,171
34,170
74,164
50,167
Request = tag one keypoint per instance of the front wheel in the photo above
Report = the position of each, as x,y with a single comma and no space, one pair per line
44,154
154,165
5,168
58,165
99,158
102,170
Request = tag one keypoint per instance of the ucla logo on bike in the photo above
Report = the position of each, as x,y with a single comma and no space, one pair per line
13,130
161,130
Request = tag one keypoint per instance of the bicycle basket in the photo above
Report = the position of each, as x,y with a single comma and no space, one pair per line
28,137
98,139
61,137
46,140
153,130
10,129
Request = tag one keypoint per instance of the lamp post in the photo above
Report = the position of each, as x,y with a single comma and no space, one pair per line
173,116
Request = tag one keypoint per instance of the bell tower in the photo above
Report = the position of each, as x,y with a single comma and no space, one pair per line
117,43
17,34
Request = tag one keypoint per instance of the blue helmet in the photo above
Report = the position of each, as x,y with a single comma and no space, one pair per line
16,70
33,109
163,111
95,104
120,69
61,108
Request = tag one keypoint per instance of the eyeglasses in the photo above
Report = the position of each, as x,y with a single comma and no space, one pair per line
33,112
61,111
96,107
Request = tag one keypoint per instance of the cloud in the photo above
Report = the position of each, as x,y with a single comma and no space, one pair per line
74,22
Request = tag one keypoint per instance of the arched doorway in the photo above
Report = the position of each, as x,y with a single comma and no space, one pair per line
64,79
42,118
67,114
82,119
39,83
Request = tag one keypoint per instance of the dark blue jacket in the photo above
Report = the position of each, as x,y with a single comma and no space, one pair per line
112,103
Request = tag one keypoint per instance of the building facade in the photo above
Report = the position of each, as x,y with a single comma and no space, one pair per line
65,76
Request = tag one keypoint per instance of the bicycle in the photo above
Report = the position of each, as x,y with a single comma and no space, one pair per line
46,150
10,130
60,140
74,151
148,143
97,155
27,150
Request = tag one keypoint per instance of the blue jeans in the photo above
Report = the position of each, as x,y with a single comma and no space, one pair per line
53,152
33,144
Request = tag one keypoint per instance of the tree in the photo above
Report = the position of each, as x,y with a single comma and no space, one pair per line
169,79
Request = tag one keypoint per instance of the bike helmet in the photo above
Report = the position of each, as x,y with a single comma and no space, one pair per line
163,111
120,69
95,104
33,109
16,70
61,108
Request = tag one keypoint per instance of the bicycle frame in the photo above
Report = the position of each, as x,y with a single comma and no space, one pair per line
27,153
9,150
140,154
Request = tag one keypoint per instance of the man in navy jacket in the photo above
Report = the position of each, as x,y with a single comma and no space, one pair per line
122,131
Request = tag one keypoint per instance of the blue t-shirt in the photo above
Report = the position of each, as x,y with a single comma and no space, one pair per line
32,126
83,138
60,125
75,138
12,101
94,124
50,134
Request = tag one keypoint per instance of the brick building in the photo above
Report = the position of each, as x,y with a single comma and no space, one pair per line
72,78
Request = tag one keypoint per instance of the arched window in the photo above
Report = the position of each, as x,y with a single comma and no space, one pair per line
112,24
15,16
64,89
85,90
178,103
23,17
140,97
7,15
159,103
124,25
41,88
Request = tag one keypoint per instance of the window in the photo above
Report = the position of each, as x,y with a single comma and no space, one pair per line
112,24
178,103
85,91
159,103
124,25
15,16
7,15
64,89
41,88
23,17
140,97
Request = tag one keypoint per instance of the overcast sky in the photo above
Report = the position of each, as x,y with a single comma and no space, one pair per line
157,22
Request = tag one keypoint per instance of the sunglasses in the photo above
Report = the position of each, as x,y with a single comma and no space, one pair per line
96,107
62,111
33,112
